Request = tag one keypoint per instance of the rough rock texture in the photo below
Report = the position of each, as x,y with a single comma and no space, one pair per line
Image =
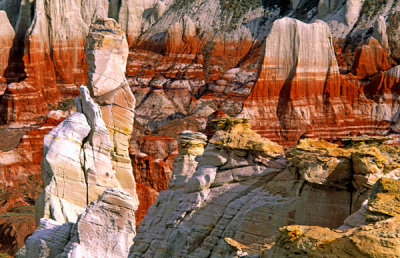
48,240
152,161
7,35
105,229
373,240
192,58
242,189
189,59
370,59
20,181
88,152
20,166
191,145
106,51
15,226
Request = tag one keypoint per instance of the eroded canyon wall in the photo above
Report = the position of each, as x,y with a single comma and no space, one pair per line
190,60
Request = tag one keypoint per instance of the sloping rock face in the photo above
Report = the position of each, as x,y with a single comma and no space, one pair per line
105,229
86,154
242,189
363,241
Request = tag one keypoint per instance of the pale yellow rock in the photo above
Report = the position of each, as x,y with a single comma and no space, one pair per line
191,145
107,51
236,134
106,56
373,240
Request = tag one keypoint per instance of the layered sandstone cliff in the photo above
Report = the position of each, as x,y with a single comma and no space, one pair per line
300,79
191,59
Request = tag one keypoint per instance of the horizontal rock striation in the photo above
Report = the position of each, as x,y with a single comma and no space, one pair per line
190,59
294,87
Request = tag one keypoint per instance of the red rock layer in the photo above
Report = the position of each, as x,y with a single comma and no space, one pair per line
152,160
15,226
20,180
147,197
48,58
6,42
370,59
298,94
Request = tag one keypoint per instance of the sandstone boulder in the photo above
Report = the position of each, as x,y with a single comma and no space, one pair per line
357,241
104,229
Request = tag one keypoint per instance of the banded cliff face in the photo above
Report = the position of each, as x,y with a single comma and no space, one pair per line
189,60
300,91
48,58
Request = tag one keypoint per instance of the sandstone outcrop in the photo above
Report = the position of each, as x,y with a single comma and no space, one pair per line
189,59
370,59
107,53
20,181
191,145
105,229
88,152
20,158
242,189
359,241
48,53
293,87
285,80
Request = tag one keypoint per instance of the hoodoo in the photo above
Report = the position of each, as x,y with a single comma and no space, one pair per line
86,159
